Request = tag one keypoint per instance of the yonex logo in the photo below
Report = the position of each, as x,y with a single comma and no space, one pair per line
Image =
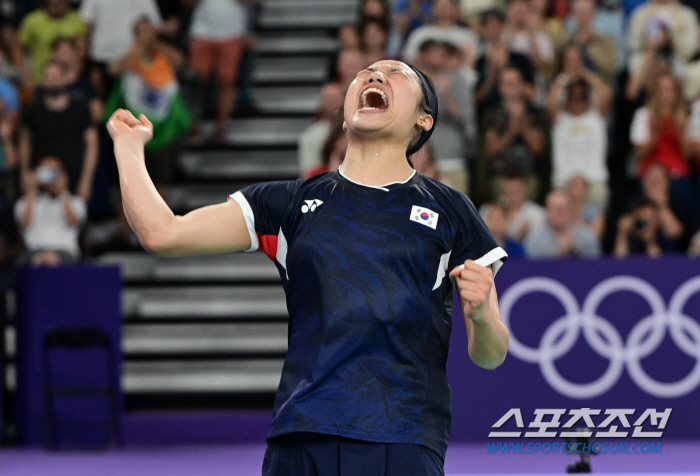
644,338
424,216
310,205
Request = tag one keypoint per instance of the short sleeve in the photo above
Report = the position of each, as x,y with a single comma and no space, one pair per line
264,206
639,130
473,239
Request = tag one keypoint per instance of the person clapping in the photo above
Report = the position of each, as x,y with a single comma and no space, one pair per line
50,217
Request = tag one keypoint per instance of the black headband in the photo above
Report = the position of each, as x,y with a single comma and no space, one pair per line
432,105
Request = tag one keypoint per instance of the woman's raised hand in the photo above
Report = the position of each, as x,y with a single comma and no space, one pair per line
123,125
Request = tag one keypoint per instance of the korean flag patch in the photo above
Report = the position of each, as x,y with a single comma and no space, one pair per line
424,216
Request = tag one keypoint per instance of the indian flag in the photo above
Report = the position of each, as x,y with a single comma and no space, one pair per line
151,88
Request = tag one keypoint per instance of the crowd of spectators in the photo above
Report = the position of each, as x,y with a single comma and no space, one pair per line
574,125
65,66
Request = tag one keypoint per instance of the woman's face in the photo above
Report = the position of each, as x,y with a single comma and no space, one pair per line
373,8
383,99
373,37
666,91
572,60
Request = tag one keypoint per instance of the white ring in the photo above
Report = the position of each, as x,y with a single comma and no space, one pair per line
644,338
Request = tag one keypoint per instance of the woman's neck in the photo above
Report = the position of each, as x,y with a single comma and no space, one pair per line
376,162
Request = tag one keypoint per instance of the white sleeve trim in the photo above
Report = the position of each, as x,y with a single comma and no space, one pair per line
239,198
493,257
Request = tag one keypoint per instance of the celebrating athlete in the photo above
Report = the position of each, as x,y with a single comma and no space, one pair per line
367,256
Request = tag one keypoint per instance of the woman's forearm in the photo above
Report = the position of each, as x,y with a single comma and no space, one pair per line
146,211
488,336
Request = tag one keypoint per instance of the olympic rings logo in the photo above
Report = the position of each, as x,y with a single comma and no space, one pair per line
643,339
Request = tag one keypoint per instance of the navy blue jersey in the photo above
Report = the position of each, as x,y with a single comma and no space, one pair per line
365,271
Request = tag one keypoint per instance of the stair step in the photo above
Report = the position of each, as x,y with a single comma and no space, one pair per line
233,376
308,13
140,267
262,132
299,69
204,338
286,43
214,302
231,165
287,100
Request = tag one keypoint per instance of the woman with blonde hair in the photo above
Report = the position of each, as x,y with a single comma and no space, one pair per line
658,134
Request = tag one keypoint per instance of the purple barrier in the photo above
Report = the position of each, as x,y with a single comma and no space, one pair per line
71,296
600,334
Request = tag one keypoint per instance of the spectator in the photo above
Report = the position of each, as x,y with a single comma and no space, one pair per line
598,50
49,216
544,19
495,219
380,10
218,38
56,124
522,215
13,64
333,153
312,140
349,63
497,56
375,9
473,12
681,21
8,122
607,22
637,230
673,215
42,27
424,163
578,103
658,48
658,134
515,139
445,29
111,24
65,53
560,237
150,66
656,60
348,37
456,136
374,35
9,107
583,210
523,37
411,14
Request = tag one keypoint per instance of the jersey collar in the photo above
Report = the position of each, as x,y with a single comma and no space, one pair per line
382,187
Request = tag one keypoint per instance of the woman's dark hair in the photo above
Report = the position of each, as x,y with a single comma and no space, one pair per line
384,26
428,90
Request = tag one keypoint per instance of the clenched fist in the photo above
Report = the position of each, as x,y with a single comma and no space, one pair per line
474,283
123,125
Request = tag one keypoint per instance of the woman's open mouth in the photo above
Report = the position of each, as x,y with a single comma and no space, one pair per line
373,99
